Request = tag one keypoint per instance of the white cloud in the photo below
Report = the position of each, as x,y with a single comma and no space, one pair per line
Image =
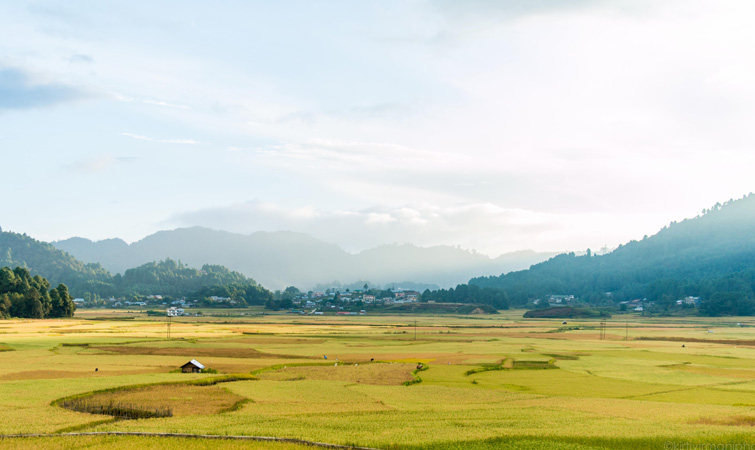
23,89
163,141
574,117
128,99
166,104
351,155
98,164
487,227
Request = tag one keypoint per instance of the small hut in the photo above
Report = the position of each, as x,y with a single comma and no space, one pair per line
192,366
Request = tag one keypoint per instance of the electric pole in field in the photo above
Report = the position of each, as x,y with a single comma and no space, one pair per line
171,312
415,330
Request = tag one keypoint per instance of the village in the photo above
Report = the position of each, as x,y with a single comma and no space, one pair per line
635,305
331,301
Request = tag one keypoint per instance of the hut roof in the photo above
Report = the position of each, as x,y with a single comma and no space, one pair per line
195,363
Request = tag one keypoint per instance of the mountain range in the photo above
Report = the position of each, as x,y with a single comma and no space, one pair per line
282,258
41,258
711,256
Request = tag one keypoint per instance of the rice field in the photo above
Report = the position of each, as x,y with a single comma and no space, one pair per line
176,399
490,381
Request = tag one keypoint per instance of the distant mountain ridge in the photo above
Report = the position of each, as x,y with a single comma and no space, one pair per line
284,258
20,250
710,256
165,277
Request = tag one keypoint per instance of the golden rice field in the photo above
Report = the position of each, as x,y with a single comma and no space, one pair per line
487,382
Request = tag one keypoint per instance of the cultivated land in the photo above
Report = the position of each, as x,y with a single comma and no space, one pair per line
490,381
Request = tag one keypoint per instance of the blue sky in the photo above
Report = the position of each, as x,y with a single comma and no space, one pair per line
494,125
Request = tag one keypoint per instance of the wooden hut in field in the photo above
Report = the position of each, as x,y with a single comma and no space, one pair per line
192,366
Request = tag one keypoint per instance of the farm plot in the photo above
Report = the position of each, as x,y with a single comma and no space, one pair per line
551,388
381,374
161,400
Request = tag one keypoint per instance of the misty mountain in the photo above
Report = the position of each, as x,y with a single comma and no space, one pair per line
711,256
282,258
20,250
165,277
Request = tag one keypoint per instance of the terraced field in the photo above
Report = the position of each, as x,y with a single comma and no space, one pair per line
474,382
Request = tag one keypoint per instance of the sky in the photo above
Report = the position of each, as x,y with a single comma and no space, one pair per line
493,125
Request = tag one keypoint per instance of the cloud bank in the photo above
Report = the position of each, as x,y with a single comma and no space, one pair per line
492,124
19,90
486,226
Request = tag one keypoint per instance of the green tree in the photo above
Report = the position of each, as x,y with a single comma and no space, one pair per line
290,293
22,295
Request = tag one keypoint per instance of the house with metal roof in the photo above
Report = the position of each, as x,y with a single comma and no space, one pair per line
192,366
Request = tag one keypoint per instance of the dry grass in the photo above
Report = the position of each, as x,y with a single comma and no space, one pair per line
267,339
654,391
54,374
235,367
378,374
715,371
141,442
184,400
566,336
738,421
425,357
220,352
737,342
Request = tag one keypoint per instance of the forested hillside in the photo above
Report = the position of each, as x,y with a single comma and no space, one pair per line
283,258
20,250
174,278
711,256
166,277
469,293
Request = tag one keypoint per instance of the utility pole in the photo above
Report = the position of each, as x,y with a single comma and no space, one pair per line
170,312
415,330
626,331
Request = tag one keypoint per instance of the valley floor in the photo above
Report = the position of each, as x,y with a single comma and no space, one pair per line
476,382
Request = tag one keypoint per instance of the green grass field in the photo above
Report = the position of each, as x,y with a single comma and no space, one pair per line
491,381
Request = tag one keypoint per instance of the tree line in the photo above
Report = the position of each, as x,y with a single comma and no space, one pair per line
244,294
711,256
27,296
469,293
173,279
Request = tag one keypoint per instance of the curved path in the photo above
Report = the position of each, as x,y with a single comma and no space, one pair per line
192,436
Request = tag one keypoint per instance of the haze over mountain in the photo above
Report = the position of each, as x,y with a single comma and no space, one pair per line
166,277
711,256
41,258
280,259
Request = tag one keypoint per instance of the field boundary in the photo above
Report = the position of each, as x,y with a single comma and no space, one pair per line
742,342
119,412
190,436
207,381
